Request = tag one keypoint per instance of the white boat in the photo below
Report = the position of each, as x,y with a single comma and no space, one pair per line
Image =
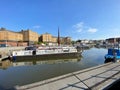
45,50
44,53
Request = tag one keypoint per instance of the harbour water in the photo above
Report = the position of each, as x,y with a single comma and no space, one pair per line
21,73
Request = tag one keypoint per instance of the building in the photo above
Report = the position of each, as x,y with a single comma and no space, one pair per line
85,41
30,37
113,40
25,37
48,39
10,38
6,35
65,40
52,40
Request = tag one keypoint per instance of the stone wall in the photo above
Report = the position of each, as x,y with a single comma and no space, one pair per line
4,51
11,43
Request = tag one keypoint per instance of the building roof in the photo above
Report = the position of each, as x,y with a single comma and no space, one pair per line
4,29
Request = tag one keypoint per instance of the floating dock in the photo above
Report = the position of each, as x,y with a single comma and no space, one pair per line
96,78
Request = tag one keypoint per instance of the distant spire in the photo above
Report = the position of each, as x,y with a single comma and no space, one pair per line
58,37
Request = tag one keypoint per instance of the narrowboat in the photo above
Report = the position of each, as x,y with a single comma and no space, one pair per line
44,53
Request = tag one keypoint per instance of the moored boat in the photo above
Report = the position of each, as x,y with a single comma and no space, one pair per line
113,55
44,53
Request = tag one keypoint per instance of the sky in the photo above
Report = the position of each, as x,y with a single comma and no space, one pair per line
78,19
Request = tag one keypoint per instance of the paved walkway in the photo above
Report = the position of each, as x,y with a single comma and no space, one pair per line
95,78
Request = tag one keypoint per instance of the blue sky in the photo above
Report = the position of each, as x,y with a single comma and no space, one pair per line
79,19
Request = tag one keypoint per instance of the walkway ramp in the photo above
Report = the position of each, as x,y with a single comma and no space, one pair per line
95,78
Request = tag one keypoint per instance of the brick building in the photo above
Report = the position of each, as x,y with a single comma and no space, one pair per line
49,39
113,40
28,37
11,38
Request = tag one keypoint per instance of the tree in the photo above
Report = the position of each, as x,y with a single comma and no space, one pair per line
35,42
73,42
78,41
39,43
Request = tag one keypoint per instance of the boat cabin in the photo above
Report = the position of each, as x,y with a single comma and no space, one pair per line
113,54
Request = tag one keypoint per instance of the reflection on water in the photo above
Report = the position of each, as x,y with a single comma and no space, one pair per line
21,73
6,64
44,62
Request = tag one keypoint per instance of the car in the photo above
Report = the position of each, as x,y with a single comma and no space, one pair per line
30,48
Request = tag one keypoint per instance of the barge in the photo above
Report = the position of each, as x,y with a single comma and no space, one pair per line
46,53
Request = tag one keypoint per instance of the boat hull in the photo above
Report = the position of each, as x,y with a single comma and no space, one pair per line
47,56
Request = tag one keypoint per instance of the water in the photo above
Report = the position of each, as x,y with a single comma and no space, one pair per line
21,73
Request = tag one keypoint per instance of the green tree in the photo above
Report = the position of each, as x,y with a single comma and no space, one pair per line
78,41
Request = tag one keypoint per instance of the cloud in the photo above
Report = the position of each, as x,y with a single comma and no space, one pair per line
78,27
92,30
82,28
36,27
